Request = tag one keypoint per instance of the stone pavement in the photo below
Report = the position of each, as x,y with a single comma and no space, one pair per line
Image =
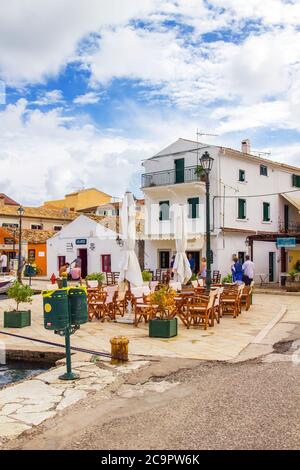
223,342
33,401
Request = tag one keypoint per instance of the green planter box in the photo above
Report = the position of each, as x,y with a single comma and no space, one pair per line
163,328
16,319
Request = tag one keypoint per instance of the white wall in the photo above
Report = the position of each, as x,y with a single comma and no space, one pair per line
100,241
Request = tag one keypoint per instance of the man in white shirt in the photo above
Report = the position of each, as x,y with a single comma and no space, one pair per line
3,262
248,270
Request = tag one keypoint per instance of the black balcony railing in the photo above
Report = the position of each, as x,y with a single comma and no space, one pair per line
166,177
291,226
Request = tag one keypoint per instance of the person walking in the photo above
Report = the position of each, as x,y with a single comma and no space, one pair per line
237,271
248,270
3,262
192,262
202,271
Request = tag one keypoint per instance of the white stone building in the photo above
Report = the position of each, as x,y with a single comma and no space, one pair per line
95,243
254,201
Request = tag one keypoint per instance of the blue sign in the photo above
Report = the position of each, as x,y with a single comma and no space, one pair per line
286,242
81,241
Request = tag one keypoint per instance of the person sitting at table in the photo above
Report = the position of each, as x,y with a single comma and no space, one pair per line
76,273
64,269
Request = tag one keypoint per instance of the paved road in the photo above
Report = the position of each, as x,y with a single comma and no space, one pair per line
249,405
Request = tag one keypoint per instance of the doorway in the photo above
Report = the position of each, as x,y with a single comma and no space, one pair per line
196,257
106,263
179,170
271,266
164,259
82,254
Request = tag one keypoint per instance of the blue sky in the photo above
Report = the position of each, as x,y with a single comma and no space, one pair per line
94,87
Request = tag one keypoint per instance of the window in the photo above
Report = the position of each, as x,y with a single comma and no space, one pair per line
164,259
266,211
241,257
296,181
242,176
193,203
263,170
57,228
242,209
164,210
36,227
10,225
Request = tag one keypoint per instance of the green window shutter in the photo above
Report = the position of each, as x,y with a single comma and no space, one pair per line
242,175
263,170
164,210
266,211
193,203
296,181
242,209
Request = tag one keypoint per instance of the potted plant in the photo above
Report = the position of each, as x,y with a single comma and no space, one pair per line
18,318
227,279
293,282
199,171
147,277
164,325
98,277
64,279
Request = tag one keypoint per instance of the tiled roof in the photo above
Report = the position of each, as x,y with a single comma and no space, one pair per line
8,200
35,236
39,213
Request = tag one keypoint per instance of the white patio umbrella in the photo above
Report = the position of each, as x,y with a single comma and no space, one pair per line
182,270
129,266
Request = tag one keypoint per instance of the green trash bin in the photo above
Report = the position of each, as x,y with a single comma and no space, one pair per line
56,309
29,270
78,305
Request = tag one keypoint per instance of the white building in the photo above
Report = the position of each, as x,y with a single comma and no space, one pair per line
254,201
97,245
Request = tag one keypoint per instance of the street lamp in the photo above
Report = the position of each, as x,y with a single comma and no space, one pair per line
21,213
206,162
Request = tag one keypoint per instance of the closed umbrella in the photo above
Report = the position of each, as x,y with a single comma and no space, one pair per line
129,266
181,266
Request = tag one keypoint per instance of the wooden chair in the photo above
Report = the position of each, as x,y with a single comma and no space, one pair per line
230,301
246,297
109,279
97,305
200,310
216,277
116,276
143,310
119,303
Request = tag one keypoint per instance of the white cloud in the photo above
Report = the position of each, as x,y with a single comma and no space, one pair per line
49,98
88,98
38,38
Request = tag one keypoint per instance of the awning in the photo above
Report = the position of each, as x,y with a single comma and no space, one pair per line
293,198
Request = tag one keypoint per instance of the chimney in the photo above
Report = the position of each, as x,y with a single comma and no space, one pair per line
246,146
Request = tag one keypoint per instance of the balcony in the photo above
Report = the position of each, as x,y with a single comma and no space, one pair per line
167,177
291,226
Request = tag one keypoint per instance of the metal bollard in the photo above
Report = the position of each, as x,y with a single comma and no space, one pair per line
119,348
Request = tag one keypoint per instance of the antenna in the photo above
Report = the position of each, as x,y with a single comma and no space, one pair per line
204,133
259,153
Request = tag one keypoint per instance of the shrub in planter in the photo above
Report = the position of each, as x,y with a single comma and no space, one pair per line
99,277
293,282
18,318
227,279
147,276
165,326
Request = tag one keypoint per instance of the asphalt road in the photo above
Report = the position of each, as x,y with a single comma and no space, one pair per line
249,405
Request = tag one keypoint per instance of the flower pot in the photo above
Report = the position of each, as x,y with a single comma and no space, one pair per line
163,328
292,286
59,283
64,282
17,319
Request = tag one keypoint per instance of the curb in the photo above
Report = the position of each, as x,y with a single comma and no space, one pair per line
264,332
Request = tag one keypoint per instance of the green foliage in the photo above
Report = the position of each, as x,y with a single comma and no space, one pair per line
147,276
95,277
194,277
199,170
293,273
20,293
297,266
227,279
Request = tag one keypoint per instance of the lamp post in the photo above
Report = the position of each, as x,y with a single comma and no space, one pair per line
21,213
206,162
